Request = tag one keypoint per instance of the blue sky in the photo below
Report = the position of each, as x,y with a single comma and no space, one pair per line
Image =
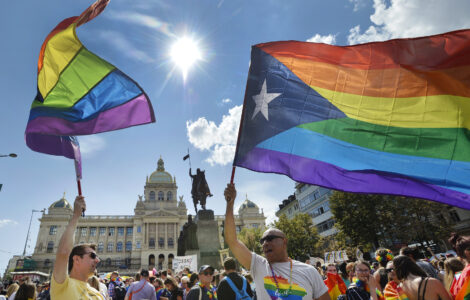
201,113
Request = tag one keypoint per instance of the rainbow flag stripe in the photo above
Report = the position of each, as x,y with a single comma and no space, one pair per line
80,93
388,117
464,293
295,293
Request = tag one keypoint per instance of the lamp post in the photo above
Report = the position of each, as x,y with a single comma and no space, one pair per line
29,228
9,155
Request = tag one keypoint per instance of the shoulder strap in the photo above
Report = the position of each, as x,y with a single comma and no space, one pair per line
233,286
244,283
200,292
135,292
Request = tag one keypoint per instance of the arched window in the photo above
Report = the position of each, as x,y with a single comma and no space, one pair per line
50,247
169,196
152,196
119,247
170,261
47,263
100,247
170,243
151,260
161,196
128,246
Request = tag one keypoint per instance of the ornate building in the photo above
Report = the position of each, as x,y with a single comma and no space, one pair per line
146,239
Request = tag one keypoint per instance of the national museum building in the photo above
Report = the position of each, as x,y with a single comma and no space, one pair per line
146,239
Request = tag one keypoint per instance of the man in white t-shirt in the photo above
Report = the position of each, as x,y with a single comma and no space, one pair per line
277,276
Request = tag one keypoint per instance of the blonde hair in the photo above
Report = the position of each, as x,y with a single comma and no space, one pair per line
94,283
12,288
451,266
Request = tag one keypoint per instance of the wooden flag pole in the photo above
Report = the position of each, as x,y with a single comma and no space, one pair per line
79,186
233,175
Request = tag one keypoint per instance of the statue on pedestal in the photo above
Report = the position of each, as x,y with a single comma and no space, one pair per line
189,235
200,189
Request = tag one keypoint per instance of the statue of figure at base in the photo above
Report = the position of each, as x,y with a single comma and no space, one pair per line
200,189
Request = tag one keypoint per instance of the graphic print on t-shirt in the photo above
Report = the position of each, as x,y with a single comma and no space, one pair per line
296,292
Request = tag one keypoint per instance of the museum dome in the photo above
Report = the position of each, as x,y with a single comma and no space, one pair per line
247,204
160,175
61,203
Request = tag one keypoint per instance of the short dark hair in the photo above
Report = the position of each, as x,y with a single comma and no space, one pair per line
460,243
26,291
230,263
404,266
80,251
408,251
363,262
165,273
144,273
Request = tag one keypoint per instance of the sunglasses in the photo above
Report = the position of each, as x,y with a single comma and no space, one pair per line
208,273
92,255
269,238
389,270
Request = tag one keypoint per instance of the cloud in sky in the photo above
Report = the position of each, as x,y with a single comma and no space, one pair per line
6,222
326,39
220,140
90,144
141,20
120,42
412,18
358,4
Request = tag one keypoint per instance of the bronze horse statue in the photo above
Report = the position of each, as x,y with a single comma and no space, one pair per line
200,189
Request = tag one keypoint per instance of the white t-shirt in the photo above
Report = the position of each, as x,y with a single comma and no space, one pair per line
306,283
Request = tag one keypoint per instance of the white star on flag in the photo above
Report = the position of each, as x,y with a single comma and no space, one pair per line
262,100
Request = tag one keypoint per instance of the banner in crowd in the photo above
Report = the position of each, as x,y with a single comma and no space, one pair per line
336,256
181,262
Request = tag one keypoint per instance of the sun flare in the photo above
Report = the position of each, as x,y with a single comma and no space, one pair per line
184,53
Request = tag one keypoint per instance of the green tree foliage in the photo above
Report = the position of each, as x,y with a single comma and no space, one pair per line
302,236
384,220
250,237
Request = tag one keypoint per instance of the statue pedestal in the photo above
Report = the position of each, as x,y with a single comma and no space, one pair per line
208,239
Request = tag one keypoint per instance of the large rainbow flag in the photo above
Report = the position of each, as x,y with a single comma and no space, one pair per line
80,93
387,117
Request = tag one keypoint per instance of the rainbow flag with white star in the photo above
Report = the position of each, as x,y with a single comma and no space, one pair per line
387,117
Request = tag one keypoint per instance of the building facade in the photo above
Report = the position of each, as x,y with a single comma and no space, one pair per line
146,239
289,207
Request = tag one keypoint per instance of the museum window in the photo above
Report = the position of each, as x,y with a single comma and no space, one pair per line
111,231
92,231
53,230
152,243
139,229
170,243
50,247
120,231
161,242
100,247
129,230
110,247
118,262
108,262
161,196
128,246
127,261
169,196
83,231
119,247
102,231
152,196
137,245
47,263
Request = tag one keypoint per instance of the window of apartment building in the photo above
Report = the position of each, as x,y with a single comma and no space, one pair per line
152,243
290,210
139,229
128,246
50,247
161,242
53,230
161,196
239,229
296,206
92,231
255,225
102,231
119,247
324,226
138,245
100,247
120,231
111,231
110,247
170,243
83,231
129,230
317,211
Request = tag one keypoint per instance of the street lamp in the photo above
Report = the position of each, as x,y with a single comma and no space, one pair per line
29,228
9,155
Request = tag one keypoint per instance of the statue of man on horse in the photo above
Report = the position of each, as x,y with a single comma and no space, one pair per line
200,189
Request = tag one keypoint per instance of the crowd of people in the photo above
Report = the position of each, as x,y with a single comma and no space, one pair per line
273,275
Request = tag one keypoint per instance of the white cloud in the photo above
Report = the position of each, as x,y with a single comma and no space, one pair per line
6,222
141,20
90,144
226,100
412,18
358,4
326,39
118,41
220,140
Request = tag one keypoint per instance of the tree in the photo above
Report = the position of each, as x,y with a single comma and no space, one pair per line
302,236
250,237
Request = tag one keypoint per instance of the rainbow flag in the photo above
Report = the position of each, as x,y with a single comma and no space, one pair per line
393,292
464,292
80,93
387,117
288,291
335,285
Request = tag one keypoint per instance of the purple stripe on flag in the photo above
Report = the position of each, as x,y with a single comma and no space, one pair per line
136,111
327,175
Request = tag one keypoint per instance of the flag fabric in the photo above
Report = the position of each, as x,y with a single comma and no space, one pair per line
186,157
460,288
79,93
393,291
335,285
387,117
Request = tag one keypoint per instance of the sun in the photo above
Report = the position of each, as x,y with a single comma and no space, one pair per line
184,53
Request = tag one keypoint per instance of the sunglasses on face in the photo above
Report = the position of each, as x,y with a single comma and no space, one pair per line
208,273
269,238
92,255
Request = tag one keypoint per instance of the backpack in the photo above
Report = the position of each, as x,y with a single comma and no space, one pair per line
240,294
119,291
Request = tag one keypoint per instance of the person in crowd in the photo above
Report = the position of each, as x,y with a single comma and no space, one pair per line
452,271
172,286
27,291
160,290
461,245
351,270
44,294
393,290
142,289
334,282
232,282
383,256
12,288
268,271
363,286
344,273
185,286
250,280
115,283
94,282
204,289
193,279
415,281
424,265
80,262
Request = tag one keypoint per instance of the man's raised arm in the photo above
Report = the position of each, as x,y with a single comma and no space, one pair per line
239,250
66,242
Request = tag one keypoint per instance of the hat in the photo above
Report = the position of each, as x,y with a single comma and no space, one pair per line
205,267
